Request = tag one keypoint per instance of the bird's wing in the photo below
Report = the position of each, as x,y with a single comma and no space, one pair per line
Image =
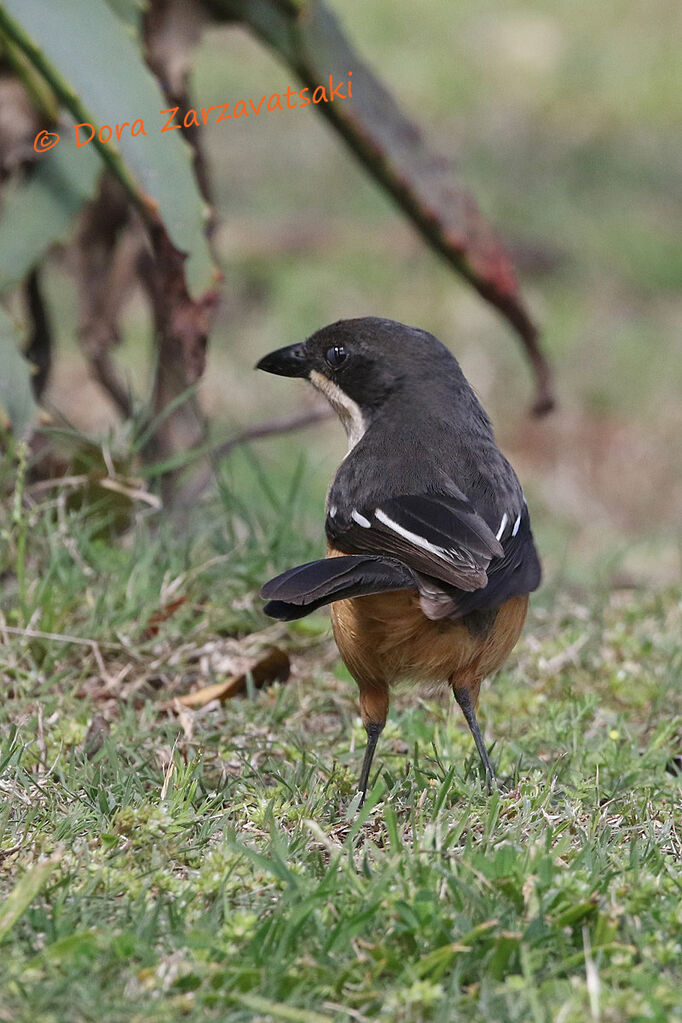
300,590
517,572
438,535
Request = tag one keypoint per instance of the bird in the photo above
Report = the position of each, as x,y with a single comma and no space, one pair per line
430,555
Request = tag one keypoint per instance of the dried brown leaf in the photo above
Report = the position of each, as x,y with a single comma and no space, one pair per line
274,666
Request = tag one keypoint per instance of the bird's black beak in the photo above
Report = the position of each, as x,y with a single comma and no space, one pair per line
291,361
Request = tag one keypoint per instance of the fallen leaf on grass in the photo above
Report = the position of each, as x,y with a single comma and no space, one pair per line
274,666
162,615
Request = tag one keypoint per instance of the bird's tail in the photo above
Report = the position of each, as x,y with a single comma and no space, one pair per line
301,590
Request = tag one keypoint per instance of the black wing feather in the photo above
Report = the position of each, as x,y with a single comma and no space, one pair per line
469,568
438,535
516,573
434,518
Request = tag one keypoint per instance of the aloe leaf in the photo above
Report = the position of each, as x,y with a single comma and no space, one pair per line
94,65
37,212
18,410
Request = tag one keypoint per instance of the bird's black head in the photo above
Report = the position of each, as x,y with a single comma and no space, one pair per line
362,366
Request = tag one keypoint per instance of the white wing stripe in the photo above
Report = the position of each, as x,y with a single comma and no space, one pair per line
503,526
516,526
414,538
360,519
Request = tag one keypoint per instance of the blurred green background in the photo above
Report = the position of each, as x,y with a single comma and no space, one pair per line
565,124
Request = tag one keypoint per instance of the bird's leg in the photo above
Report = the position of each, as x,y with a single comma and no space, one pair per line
373,709
463,695
374,730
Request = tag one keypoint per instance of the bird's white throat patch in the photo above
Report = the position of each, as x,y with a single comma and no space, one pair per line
346,409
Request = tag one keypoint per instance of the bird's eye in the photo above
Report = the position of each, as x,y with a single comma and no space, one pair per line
336,356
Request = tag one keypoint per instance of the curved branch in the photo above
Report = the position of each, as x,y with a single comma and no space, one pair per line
392,148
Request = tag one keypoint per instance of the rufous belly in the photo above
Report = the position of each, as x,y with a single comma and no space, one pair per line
386,638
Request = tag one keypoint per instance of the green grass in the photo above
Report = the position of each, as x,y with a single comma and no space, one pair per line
215,866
